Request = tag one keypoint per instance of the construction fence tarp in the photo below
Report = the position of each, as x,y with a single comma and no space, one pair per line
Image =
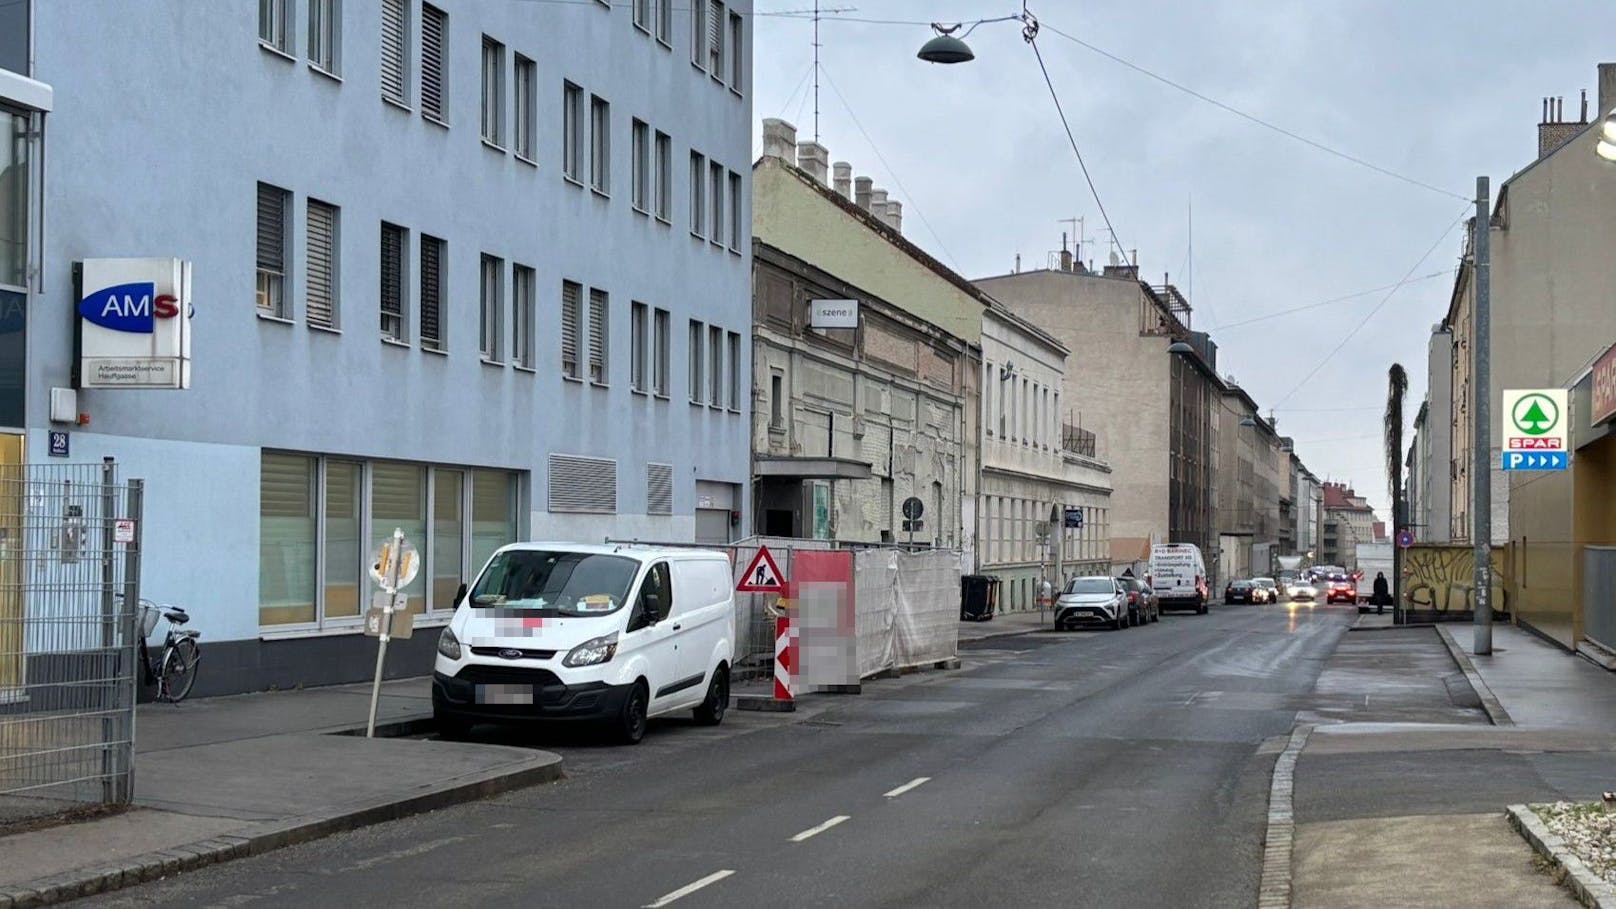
906,607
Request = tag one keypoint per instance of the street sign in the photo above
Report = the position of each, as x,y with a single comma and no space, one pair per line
1535,429
762,575
393,566
1405,539
59,445
914,526
1074,518
913,508
123,531
401,550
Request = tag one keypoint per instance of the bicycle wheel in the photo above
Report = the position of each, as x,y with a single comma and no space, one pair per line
179,671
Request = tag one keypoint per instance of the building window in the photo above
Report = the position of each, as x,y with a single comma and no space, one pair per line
286,539
735,372
641,166
642,15
434,64
735,202
275,24
639,354
432,292
737,59
525,135
493,513
715,356
664,28
395,40
698,33
493,114
715,39
391,294
321,289
325,34
716,172
698,195
572,132
664,177
659,353
448,536
697,373
599,332
600,144
15,165
571,321
524,289
273,203
777,403
491,304
341,536
398,500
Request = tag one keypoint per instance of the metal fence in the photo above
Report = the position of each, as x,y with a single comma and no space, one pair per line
1599,595
69,579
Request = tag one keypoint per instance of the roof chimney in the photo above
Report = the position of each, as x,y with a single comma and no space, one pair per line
895,214
1607,89
1065,254
815,159
861,191
779,139
843,179
1554,131
1584,117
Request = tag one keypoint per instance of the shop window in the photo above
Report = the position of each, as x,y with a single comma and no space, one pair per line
286,541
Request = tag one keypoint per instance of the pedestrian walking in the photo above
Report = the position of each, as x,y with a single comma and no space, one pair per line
1383,593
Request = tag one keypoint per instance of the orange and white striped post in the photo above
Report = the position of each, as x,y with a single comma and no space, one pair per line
785,658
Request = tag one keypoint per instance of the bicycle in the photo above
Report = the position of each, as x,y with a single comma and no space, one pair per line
173,670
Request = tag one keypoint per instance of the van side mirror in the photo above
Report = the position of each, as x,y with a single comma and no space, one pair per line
460,595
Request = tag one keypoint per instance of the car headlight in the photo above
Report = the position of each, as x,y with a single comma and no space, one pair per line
448,644
592,651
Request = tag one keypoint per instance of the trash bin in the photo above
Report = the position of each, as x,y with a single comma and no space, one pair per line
978,596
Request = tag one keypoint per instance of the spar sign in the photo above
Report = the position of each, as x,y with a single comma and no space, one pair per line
1535,429
134,323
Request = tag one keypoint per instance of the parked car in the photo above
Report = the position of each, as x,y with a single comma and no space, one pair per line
1093,600
1302,589
1143,606
1241,591
1178,575
610,634
1269,587
1341,589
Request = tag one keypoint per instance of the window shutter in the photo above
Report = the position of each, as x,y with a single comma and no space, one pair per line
583,484
598,326
271,228
393,29
322,255
286,486
659,489
433,22
715,38
569,328
392,290
431,291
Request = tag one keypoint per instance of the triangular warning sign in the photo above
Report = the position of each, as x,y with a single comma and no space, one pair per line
762,575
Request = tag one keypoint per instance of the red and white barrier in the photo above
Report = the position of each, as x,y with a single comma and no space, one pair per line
785,658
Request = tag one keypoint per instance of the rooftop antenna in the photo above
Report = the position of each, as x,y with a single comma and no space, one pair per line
1189,277
816,71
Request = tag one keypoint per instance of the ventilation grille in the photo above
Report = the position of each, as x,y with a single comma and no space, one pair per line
659,489
583,484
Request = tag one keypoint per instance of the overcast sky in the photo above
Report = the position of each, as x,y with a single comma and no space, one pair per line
1435,91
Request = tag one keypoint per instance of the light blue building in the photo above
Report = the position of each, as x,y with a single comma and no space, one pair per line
479,269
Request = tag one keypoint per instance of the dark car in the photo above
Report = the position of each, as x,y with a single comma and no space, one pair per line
1143,606
1241,592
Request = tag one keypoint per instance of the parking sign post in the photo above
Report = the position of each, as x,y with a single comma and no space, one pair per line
393,566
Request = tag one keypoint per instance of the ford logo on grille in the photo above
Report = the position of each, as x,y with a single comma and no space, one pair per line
510,653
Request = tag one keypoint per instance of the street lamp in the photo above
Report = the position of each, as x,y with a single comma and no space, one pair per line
944,47
1179,347
1607,138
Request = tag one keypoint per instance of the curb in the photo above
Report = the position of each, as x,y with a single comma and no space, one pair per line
155,866
1274,889
1590,888
1495,710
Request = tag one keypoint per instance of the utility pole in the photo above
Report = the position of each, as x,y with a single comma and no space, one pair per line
1481,523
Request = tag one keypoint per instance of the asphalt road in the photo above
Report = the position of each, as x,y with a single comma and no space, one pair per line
1092,769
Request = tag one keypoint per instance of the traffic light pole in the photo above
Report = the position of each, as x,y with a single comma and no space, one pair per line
1481,524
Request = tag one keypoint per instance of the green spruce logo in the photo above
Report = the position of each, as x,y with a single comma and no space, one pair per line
1535,415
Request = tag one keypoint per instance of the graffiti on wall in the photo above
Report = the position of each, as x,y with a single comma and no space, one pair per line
1439,582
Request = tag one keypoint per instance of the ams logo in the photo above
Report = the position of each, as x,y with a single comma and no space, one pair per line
129,307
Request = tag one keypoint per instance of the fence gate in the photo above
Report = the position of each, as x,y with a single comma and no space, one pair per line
69,581
1599,595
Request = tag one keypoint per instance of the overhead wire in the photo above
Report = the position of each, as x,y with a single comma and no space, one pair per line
1342,299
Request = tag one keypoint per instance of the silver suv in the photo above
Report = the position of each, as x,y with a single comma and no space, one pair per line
1096,600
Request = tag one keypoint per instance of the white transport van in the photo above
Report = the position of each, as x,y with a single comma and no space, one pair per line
567,631
1178,575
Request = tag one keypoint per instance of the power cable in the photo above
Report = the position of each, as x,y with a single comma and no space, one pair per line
909,198
1371,314
1333,300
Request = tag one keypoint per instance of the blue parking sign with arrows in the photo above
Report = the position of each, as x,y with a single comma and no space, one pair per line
1535,460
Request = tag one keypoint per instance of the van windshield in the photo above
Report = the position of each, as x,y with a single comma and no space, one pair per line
555,583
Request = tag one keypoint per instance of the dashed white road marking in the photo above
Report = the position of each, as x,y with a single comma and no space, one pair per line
912,784
815,831
689,888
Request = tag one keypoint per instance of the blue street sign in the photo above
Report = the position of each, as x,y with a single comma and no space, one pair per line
1073,518
1535,460
58,445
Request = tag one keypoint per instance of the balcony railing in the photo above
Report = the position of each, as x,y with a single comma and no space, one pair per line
1078,440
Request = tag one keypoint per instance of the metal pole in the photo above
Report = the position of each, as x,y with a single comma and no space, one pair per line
1399,521
109,617
1481,435
129,657
394,562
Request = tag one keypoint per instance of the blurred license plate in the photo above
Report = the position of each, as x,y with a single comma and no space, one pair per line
1087,613
504,694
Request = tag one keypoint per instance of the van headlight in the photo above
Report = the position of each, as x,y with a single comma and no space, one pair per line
448,644
592,651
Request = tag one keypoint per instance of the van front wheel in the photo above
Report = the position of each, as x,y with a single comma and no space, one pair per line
632,721
711,711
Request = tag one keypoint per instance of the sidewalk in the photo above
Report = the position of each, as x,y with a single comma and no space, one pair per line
1540,684
1004,624
219,778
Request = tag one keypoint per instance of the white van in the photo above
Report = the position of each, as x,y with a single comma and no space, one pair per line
1178,575
566,631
